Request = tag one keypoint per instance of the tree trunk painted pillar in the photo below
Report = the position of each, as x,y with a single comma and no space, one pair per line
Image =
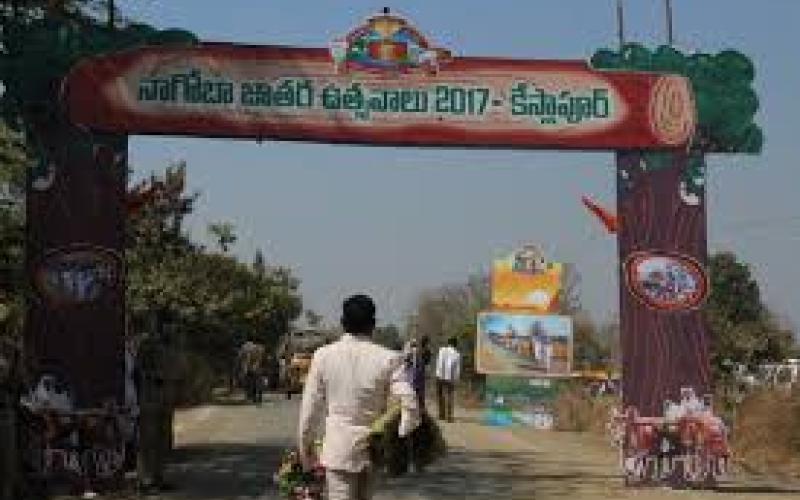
76,231
662,248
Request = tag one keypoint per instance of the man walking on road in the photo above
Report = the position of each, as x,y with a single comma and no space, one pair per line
350,382
421,360
448,371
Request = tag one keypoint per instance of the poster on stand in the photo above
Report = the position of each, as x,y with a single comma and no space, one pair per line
525,280
524,345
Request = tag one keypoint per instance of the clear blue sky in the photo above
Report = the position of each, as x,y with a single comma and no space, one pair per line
392,222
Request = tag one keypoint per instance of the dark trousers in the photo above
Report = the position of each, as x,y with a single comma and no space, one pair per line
153,445
419,390
445,391
8,453
421,398
253,387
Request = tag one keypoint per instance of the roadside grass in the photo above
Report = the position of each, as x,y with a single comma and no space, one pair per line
576,411
766,432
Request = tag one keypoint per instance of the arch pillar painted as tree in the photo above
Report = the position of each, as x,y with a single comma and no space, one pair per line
75,251
661,208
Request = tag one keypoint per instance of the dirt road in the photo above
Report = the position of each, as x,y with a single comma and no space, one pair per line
228,452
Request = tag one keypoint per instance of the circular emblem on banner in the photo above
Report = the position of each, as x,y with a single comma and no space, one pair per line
666,281
387,42
77,274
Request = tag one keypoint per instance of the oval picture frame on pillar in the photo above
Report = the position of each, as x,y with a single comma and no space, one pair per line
77,274
666,281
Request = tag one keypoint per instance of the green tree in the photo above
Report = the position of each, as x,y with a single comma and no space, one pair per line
40,40
224,233
388,336
13,159
313,320
259,263
743,329
589,350
723,88
157,247
592,344
452,311
217,301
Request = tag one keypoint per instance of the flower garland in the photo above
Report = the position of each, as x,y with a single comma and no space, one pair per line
388,452
297,484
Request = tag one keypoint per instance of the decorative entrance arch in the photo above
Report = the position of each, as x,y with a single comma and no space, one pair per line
381,84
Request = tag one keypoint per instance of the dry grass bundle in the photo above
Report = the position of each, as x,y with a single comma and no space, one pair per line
394,455
577,411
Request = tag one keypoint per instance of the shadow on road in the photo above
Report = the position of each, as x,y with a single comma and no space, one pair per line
757,490
488,475
225,471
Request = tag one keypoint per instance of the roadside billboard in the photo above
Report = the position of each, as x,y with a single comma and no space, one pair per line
524,345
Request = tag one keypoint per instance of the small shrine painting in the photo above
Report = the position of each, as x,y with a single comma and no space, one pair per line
525,280
387,42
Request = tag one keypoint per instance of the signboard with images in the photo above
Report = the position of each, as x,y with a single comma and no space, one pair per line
520,391
524,345
525,280
528,401
382,83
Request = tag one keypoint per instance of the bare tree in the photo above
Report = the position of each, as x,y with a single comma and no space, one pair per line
569,299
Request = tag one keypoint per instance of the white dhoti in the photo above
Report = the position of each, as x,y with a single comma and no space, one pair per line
343,485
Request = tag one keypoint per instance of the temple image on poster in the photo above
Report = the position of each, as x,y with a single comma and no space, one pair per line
526,280
524,344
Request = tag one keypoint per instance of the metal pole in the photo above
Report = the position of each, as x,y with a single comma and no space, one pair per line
621,23
111,12
668,7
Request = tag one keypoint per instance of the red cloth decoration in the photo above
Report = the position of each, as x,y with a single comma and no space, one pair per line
608,219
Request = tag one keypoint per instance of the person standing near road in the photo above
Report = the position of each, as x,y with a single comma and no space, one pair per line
130,423
10,389
153,406
157,378
448,371
272,372
251,359
350,383
420,360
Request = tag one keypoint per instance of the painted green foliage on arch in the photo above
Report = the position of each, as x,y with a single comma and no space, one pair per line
723,87
38,51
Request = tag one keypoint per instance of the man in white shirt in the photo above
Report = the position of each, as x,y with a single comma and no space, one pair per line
349,383
448,371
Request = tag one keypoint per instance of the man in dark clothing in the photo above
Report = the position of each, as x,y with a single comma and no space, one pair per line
153,406
251,366
155,361
272,372
420,361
